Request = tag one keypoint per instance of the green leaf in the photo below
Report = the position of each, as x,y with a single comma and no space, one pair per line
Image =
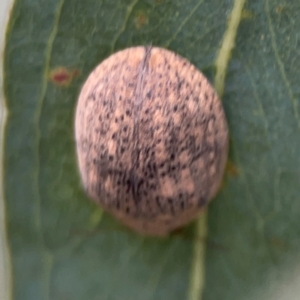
61,245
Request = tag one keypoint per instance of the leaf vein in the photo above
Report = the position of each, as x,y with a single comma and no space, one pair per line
222,61
123,27
188,17
281,65
37,216
267,130
40,101
227,45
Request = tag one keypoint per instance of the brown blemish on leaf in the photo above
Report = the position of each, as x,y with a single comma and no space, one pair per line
279,9
62,76
231,169
247,14
278,243
141,19
76,73
223,184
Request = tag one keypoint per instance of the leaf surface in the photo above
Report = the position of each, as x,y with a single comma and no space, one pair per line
62,246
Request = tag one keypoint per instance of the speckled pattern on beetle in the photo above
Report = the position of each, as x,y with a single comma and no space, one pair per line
152,139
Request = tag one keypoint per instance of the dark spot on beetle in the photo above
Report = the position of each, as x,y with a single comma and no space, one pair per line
201,201
152,187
